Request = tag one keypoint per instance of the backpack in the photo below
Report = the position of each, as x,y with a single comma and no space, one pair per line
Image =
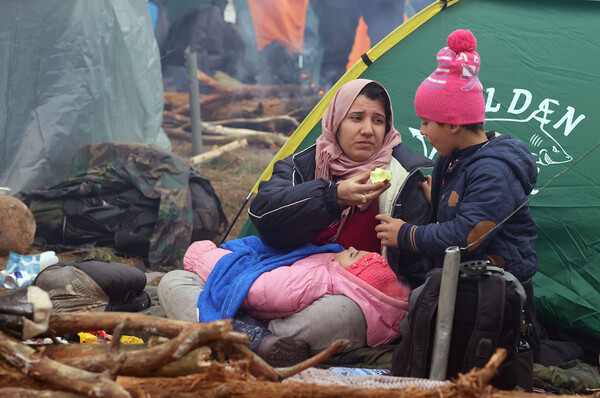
488,315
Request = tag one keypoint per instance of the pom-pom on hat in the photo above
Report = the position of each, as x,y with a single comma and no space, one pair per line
374,269
453,94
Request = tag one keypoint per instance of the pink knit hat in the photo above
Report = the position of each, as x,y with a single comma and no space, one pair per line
375,270
453,94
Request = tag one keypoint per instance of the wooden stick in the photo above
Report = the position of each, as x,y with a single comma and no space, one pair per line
210,139
140,362
277,138
210,155
215,128
15,392
197,361
74,322
45,369
249,90
258,120
170,115
115,343
63,352
223,140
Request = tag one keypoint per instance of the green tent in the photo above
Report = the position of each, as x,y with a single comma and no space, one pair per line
539,59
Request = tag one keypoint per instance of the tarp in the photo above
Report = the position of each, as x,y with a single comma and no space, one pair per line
538,69
279,20
74,72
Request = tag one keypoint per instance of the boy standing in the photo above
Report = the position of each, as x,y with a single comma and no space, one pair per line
479,180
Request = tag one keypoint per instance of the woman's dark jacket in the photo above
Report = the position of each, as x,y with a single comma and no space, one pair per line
293,208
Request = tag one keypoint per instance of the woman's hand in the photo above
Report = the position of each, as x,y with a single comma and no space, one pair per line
426,186
387,231
355,190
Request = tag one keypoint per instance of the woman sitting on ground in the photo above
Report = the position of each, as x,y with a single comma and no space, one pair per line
323,195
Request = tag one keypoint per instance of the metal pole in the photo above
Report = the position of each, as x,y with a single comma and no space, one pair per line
445,314
191,67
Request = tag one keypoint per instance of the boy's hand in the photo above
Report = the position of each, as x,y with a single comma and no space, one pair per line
426,186
355,190
387,231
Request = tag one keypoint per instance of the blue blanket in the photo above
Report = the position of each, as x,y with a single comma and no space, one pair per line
230,280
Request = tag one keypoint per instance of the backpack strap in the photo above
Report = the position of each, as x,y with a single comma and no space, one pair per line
427,303
488,324
412,356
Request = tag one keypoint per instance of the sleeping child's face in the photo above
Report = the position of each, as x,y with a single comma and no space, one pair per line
349,256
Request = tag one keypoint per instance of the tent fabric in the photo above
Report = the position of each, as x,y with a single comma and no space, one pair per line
538,71
72,73
362,43
279,20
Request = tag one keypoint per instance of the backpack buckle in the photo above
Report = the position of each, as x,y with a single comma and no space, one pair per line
479,267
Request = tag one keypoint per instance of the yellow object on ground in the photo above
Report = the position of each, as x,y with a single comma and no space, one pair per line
101,337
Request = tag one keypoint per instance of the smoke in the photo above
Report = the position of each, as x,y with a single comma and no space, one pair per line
290,42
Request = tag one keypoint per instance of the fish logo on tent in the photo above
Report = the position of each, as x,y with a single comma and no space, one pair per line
549,151
544,147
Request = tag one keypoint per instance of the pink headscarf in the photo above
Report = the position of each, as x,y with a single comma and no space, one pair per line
331,162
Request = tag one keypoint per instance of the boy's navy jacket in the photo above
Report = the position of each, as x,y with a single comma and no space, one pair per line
472,191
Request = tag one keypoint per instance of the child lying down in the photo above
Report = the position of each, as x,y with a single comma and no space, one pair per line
364,277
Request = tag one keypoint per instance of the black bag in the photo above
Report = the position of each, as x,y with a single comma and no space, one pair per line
94,285
488,315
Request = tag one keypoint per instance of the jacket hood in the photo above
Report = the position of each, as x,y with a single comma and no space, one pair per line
515,154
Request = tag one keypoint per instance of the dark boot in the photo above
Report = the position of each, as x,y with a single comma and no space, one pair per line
276,351
282,351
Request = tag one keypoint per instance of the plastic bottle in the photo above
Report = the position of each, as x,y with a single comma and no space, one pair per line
17,279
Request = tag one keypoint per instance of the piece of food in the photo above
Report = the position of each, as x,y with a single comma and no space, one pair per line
380,175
